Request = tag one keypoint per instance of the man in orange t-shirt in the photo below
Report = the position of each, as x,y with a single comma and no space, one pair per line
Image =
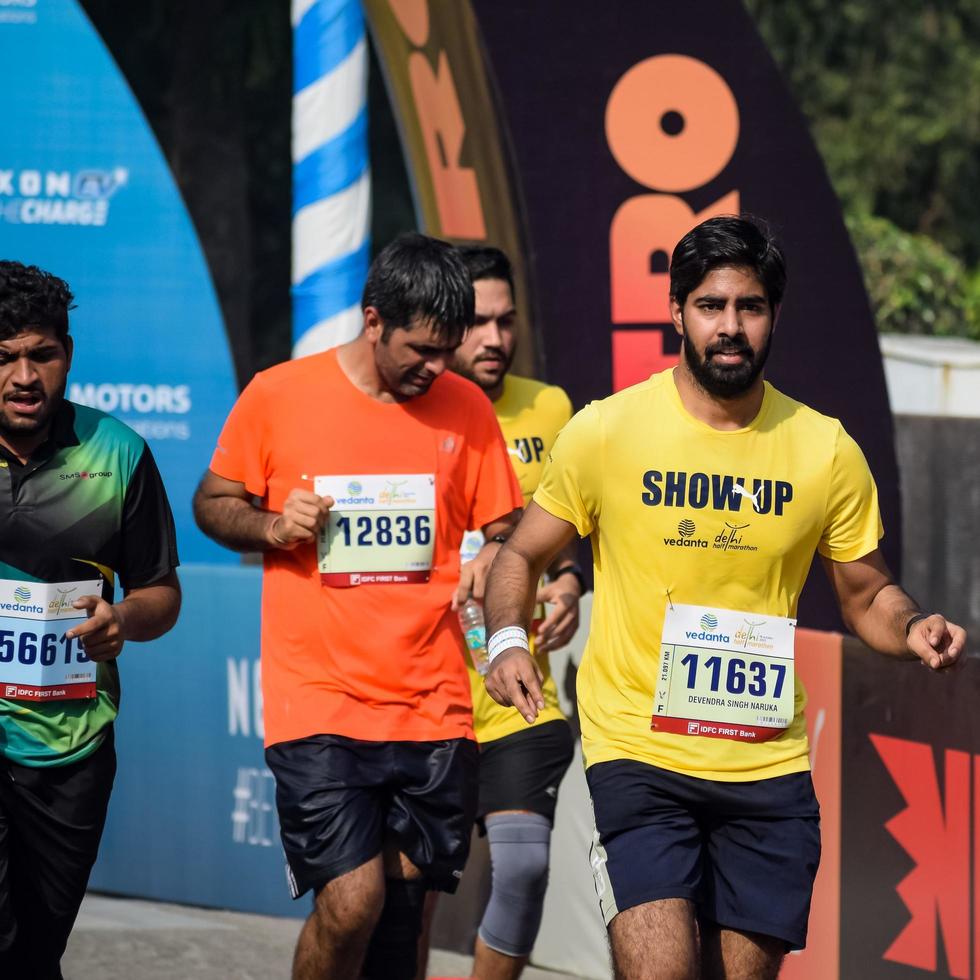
368,463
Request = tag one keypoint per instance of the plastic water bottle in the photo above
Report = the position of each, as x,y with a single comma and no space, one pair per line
474,634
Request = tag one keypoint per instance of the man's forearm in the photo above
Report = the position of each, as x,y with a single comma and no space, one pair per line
511,589
149,612
882,625
235,523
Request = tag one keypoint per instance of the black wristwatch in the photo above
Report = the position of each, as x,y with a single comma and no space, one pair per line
572,568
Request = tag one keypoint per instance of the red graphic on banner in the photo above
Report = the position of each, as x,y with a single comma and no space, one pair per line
934,829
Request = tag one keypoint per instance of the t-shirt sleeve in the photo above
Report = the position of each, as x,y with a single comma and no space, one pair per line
242,454
852,527
571,484
496,490
149,540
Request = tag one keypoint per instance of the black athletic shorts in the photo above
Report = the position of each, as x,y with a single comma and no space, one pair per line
522,771
51,821
340,798
745,853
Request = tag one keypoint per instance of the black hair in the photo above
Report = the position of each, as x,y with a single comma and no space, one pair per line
487,262
728,240
420,278
31,297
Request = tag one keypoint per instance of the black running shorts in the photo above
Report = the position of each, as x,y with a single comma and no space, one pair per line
745,853
51,820
522,771
340,799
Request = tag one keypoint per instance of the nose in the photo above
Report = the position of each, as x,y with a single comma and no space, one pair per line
24,372
491,334
436,365
730,323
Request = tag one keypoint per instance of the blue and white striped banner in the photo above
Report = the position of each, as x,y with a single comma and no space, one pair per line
331,175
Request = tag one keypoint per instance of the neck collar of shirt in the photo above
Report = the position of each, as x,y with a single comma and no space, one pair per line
61,435
753,426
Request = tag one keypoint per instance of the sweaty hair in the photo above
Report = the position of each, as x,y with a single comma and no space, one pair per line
31,297
422,279
487,262
728,240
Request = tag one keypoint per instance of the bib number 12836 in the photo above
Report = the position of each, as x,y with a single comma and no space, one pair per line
381,529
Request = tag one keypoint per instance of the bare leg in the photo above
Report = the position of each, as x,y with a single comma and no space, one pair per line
428,914
656,941
334,938
732,955
488,964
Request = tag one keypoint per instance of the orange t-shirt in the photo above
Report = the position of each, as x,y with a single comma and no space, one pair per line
379,662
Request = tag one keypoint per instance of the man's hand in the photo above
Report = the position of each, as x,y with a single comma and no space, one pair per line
514,680
102,634
303,516
473,575
559,626
937,642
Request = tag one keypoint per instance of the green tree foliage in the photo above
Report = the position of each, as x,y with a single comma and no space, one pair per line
891,89
914,284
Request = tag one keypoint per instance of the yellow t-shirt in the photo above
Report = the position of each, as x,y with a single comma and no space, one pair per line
653,487
531,414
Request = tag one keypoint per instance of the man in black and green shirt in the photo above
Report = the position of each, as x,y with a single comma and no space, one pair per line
81,505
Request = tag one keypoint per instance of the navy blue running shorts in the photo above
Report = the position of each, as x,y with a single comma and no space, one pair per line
340,799
744,853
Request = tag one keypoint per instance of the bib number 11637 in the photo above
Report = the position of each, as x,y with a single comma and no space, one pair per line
724,674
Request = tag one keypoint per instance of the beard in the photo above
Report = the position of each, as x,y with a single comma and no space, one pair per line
471,371
726,380
19,427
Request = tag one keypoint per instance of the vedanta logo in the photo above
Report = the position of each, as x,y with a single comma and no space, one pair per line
709,622
705,635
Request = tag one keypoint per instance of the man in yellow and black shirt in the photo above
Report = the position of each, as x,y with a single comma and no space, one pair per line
520,767
705,492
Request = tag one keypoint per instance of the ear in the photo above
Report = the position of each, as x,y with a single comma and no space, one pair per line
677,316
373,324
775,316
69,351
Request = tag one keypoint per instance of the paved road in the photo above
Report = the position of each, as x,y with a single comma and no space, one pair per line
121,939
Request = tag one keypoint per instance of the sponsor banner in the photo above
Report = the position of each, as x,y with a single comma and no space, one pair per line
86,194
910,871
66,692
819,661
456,152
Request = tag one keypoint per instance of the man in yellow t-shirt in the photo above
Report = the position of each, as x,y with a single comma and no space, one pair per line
520,767
705,492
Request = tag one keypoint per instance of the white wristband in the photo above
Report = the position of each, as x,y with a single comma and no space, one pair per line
506,639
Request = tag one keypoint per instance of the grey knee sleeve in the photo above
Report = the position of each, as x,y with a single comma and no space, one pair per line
519,845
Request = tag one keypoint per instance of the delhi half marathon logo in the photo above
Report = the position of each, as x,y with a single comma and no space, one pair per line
22,595
709,622
32,196
686,529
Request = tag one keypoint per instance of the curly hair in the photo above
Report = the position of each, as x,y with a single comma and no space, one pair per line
31,297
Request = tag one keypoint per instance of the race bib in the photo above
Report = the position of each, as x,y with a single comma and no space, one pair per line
381,529
37,661
724,674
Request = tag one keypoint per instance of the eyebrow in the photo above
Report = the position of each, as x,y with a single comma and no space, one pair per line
511,312
755,298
